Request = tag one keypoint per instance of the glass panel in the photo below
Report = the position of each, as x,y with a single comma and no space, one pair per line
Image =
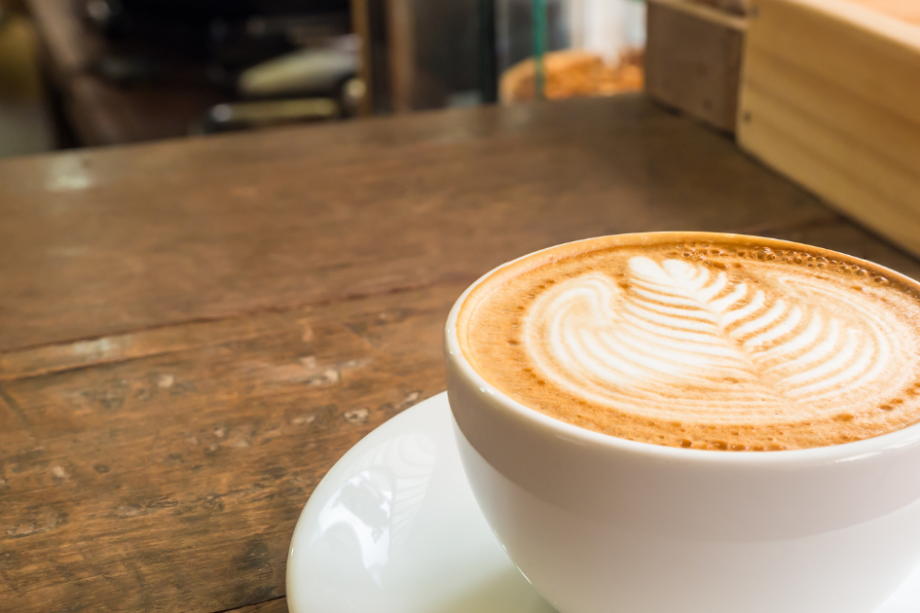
592,48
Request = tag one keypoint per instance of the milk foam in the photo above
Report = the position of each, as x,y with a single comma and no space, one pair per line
742,343
750,354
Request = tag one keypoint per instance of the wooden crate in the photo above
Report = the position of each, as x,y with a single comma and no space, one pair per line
827,92
830,97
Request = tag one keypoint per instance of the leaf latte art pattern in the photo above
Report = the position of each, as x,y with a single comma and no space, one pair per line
677,340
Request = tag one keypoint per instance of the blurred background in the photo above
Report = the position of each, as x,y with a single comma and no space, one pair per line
77,73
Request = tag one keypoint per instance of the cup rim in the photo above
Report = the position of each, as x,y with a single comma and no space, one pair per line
844,452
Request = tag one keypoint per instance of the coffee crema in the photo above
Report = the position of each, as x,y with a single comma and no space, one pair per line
702,341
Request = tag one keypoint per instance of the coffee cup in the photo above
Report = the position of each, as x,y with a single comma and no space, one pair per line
597,522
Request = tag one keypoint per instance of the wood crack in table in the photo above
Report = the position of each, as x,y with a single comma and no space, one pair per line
193,332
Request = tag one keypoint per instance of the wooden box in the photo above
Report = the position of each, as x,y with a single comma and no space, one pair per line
828,95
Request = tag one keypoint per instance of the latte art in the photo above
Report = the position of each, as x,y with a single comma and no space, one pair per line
727,343
748,358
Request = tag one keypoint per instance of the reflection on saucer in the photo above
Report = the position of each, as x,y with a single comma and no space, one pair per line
377,506
394,528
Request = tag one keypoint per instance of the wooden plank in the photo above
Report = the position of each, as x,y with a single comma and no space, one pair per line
172,482
693,60
97,243
433,51
905,10
48,359
829,98
401,42
361,26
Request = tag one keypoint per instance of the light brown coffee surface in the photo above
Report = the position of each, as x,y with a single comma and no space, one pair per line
704,341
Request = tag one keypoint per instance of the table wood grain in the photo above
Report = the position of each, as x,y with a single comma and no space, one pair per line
193,332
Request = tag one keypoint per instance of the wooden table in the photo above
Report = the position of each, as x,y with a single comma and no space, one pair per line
194,331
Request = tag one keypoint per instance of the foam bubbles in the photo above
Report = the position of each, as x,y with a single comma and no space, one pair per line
684,342
753,349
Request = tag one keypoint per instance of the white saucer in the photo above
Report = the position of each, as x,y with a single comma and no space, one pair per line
394,527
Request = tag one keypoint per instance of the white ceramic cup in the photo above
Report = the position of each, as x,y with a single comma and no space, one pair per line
601,524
